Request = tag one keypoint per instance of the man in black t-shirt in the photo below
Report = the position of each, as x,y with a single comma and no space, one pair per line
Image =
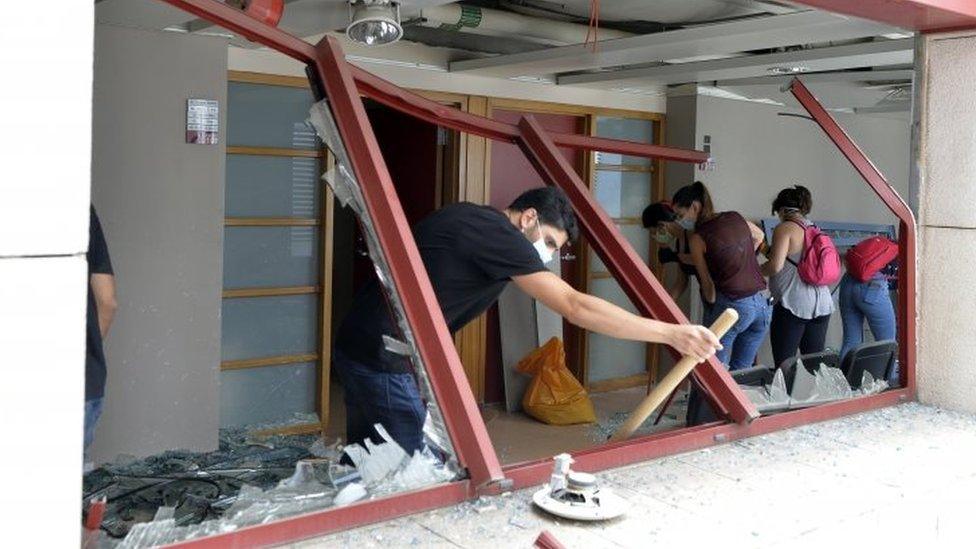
101,311
471,252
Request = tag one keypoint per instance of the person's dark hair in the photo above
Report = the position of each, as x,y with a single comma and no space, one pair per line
797,197
553,207
658,212
696,191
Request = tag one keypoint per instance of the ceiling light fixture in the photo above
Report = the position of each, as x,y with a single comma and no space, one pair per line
788,70
374,22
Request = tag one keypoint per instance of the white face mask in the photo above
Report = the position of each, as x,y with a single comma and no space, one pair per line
545,254
687,224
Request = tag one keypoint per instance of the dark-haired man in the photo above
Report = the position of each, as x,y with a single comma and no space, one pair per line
471,252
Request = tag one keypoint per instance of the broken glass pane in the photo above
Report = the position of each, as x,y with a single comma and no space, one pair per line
347,189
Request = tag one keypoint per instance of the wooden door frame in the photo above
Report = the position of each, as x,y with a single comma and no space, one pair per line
325,222
589,115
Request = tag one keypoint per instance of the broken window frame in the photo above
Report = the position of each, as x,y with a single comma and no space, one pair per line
342,84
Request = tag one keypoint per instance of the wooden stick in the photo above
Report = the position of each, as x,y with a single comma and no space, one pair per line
670,381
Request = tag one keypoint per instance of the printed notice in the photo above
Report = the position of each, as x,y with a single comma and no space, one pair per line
202,121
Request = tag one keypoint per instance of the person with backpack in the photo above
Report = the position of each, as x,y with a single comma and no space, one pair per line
802,264
864,292
723,249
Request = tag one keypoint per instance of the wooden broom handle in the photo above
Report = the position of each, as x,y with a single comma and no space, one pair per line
671,381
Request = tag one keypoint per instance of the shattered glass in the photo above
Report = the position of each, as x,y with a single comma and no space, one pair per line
770,397
179,495
825,384
347,189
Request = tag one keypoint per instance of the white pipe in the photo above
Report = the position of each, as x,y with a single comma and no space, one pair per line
502,23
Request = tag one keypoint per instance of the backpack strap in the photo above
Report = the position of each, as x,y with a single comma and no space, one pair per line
804,227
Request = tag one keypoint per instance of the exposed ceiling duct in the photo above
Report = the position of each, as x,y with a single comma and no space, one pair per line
491,22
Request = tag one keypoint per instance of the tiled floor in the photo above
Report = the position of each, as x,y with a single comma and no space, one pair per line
904,477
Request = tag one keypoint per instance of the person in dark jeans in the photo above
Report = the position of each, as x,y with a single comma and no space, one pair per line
101,311
723,249
802,311
471,252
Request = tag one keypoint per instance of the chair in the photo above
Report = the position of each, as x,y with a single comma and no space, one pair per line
878,358
811,362
699,409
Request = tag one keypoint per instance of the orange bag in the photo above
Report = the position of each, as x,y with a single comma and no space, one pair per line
554,396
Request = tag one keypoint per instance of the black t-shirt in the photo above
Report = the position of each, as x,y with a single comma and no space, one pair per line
98,262
470,253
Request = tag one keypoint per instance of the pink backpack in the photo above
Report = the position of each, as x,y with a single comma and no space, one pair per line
819,261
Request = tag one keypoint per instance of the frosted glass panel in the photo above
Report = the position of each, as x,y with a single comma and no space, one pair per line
270,256
256,327
609,357
622,194
638,237
630,129
271,393
269,116
272,186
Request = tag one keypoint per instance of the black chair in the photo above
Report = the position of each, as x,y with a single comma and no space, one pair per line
878,358
699,409
811,362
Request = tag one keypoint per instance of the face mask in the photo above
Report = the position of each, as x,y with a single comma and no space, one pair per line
545,254
664,238
687,224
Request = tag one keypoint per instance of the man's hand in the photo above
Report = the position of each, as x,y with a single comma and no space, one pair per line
696,341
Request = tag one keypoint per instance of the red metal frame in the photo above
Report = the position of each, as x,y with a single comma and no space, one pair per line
634,276
436,346
906,230
921,15
342,83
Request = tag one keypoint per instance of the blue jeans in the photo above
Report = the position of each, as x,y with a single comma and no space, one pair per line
373,396
741,343
93,411
865,300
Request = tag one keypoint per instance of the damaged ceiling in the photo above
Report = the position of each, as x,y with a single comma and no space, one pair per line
744,47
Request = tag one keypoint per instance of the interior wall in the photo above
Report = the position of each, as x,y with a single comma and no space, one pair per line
757,153
161,205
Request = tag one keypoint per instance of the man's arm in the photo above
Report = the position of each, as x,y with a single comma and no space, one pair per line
697,246
103,288
597,315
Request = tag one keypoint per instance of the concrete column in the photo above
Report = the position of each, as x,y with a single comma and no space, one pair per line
947,221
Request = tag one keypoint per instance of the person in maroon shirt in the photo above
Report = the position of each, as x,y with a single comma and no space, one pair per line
723,250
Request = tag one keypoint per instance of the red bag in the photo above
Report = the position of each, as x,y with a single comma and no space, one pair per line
819,262
869,256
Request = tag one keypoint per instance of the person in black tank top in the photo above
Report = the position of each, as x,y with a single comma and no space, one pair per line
673,245
723,250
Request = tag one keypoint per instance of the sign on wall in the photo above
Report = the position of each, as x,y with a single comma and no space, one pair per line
202,121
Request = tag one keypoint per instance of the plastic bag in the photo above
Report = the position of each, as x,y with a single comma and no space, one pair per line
554,396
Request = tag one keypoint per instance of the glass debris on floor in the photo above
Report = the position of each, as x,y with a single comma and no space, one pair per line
823,385
180,495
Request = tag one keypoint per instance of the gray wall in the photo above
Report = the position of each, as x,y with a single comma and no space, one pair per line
161,204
